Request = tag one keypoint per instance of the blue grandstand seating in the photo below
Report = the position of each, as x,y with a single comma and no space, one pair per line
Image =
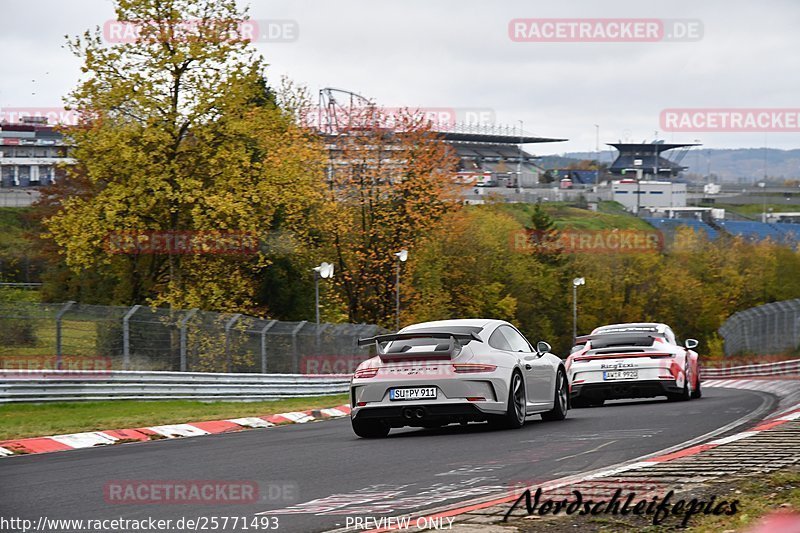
670,224
785,233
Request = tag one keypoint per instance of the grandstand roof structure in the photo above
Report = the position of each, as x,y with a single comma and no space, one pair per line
649,158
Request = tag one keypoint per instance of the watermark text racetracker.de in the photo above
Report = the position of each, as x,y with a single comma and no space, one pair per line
146,524
604,30
47,366
587,241
269,31
182,242
784,120
198,492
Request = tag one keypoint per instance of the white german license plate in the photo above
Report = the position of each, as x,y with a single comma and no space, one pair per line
417,393
621,374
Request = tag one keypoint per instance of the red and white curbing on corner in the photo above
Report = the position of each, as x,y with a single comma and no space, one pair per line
57,443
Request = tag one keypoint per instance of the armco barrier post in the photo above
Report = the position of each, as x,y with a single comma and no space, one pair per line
264,345
59,316
183,323
228,325
126,337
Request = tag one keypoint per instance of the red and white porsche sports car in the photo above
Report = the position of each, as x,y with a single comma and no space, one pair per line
639,360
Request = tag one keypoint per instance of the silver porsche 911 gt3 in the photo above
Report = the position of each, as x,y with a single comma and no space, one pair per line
456,371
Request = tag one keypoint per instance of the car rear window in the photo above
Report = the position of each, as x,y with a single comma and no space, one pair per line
423,343
625,339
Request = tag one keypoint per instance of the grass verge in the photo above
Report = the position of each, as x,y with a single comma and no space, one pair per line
37,420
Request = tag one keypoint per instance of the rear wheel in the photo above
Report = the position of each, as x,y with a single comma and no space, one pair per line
370,429
559,410
686,394
697,392
516,408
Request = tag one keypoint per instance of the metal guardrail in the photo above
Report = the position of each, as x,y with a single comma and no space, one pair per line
780,368
99,385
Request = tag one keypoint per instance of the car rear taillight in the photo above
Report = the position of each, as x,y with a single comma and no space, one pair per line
466,368
366,373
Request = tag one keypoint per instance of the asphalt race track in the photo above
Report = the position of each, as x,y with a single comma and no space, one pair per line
412,469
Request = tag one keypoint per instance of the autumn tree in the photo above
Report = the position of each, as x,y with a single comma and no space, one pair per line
391,182
181,132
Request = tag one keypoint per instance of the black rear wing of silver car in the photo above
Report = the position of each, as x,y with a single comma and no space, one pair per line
441,351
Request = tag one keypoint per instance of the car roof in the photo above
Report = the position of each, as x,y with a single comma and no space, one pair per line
658,326
463,322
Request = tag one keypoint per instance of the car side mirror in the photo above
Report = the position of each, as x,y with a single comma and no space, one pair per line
542,347
691,344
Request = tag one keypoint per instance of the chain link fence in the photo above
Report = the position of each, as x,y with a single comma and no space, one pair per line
64,336
766,329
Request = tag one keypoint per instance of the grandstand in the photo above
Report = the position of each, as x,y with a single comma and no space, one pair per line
648,158
669,225
786,233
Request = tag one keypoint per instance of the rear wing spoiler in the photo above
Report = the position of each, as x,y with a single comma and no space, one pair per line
583,339
453,338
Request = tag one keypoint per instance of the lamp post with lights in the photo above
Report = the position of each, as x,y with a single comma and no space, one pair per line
575,284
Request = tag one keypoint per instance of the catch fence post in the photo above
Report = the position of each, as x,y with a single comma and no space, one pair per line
126,337
228,325
183,323
264,345
59,316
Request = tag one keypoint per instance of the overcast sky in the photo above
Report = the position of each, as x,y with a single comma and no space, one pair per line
458,54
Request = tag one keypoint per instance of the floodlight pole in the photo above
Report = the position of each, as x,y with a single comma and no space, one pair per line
597,152
575,283
397,298
519,163
401,256
574,313
316,295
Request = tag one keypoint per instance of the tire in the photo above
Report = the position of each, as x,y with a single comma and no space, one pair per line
685,395
370,429
560,399
697,392
516,408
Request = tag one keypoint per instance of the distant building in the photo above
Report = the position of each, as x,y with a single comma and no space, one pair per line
490,156
651,194
649,159
578,177
29,153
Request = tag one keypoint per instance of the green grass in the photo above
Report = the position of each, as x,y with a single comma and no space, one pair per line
8,294
610,215
757,497
79,338
36,420
755,210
